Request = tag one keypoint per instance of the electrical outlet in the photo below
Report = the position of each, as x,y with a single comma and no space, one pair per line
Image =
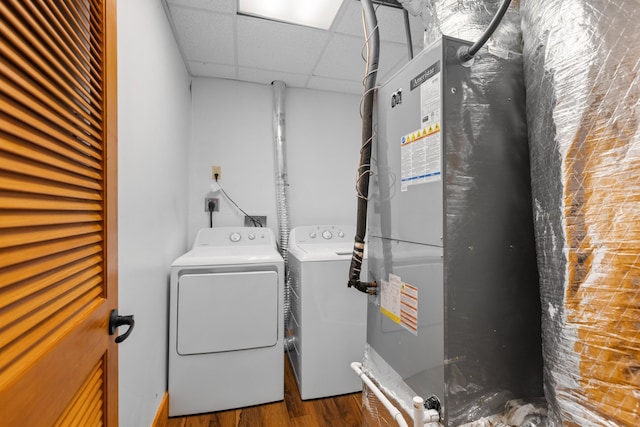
216,170
216,204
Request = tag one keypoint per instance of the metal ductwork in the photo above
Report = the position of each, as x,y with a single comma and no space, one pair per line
282,187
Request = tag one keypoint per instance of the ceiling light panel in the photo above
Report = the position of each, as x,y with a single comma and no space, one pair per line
311,13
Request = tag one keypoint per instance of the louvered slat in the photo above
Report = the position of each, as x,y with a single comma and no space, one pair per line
79,36
16,274
61,50
31,218
24,317
13,237
89,267
79,413
32,345
35,251
29,28
20,134
19,165
75,44
9,181
13,145
37,101
25,118
16,43
87,408
31,72
20,201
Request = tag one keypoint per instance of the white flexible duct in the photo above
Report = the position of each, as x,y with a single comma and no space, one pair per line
282,185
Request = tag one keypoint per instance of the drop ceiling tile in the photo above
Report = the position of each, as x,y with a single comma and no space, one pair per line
204,69
343,58
276,46
204,36
335,85
349,21
226,6
266,77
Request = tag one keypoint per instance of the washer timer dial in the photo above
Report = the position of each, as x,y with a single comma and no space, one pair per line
326,234
235,237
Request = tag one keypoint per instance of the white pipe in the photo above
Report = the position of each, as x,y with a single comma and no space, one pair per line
420,415
418,411
395,413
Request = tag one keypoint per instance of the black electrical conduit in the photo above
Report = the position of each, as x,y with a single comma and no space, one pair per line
372,39
373,52
466,53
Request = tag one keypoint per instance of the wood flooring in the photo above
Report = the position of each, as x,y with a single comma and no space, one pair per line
338,411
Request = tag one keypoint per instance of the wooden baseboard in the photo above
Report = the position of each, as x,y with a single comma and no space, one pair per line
162,415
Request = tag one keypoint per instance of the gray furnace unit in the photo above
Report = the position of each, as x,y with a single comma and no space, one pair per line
450,237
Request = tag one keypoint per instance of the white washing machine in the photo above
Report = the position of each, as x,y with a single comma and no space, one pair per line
226,322
327,319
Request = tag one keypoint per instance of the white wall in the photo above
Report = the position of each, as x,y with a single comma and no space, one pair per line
232,127
154,125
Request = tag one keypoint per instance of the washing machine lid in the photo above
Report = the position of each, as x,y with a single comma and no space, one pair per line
231,246
322,242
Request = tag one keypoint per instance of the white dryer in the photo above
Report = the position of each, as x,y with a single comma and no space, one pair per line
327,319
226,322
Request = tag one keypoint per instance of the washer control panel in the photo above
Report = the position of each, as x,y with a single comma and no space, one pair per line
234,236
323,234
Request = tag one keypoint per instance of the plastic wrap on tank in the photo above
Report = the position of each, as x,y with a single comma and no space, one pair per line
582,73
392,386
388,381
467,20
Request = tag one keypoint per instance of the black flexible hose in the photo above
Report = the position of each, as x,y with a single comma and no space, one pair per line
466,53
373,52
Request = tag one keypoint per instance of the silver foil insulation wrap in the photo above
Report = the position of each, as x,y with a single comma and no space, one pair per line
582,71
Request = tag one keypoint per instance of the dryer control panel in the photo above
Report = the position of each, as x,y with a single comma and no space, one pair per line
234,236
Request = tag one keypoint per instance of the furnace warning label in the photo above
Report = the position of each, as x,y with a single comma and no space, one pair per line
421,149
430,99
399,302
420,157
390,298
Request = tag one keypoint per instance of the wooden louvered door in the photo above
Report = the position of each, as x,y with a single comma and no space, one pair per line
58,212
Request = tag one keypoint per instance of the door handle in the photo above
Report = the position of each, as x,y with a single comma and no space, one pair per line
115,320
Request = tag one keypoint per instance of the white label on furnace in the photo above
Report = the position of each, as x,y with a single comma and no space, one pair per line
399,302
420,157
409,308
390,298
420,150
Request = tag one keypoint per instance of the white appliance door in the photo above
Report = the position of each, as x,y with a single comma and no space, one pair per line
227,311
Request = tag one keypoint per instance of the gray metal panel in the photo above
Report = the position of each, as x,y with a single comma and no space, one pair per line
482,207
492,313
419,360
414,215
